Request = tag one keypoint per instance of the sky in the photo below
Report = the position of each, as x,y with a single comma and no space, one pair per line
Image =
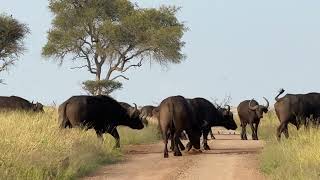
243,49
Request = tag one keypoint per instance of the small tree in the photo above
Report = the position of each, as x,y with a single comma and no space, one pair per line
12,34
104,86
115,34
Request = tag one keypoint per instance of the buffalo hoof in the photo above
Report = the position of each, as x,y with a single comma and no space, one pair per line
165,155
178,153
254,138
206,147
212,137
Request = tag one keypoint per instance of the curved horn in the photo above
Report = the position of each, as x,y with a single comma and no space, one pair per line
254,107
135,107
267,106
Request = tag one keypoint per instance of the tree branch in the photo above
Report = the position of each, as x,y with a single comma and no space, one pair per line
80,67
120,60
133,65
86,57
137,53
119,77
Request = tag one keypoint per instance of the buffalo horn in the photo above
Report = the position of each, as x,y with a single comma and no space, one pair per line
267,106
135,108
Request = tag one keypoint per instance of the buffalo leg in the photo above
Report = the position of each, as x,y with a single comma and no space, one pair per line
256,130
181,146
211,134
280,129
114,133
100,135
286,132
253,131
176,142
243,132
170,136
205,140
179,143
165,141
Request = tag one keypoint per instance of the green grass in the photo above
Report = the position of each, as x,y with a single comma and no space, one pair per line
295,158
33,147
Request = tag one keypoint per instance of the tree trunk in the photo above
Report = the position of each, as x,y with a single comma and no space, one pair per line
98,75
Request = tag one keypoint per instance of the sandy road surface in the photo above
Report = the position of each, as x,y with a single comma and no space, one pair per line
230,158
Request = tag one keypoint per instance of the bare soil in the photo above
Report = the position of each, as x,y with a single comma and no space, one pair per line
229,158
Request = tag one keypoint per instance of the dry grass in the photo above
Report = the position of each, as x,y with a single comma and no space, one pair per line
295,158
33,147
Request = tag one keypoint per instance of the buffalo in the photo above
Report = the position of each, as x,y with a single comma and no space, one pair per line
149,114
207,116
18,103
146,111
295,108
250,112
175,115
101,113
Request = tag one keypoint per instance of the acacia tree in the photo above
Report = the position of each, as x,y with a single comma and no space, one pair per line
112,36
12,33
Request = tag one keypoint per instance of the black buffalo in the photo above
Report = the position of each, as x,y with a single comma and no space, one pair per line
295,109
207,116
101,113
18,103
175,115
250,112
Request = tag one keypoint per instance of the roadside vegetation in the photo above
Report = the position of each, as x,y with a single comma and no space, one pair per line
295,158
33,147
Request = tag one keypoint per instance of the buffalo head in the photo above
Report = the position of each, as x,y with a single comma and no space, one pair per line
135,121
38,107
259,109
228,121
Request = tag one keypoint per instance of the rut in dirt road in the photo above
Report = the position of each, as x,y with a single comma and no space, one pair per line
229,158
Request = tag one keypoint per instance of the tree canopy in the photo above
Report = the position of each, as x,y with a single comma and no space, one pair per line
12,33
113,36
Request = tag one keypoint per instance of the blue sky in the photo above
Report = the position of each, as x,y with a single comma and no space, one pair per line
245,49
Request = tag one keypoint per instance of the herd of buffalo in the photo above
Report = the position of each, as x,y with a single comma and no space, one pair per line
175,116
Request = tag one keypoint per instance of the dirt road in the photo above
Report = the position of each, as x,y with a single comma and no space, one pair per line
230,158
